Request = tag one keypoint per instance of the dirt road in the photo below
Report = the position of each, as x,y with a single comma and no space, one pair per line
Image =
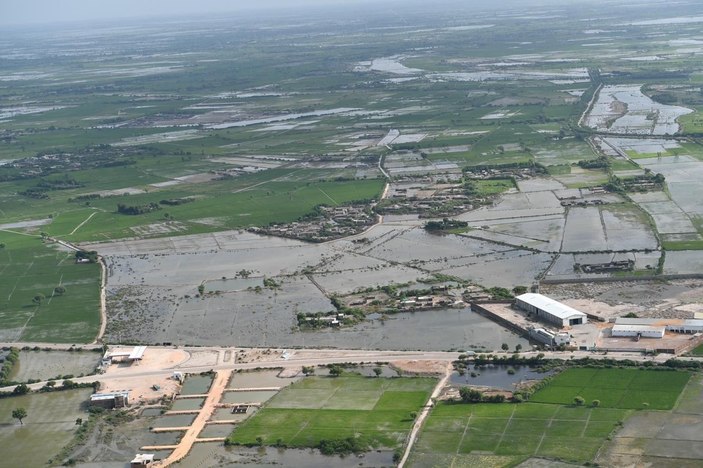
213,398
423,415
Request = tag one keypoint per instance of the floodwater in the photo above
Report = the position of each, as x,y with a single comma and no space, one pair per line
196,385
248,396
259,379
625,109
183,404
280,118
177,420
497,376
216,430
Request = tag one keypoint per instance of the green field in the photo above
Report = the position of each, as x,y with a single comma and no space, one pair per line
514,432
29,267
50,424
376,410
550,425
615,388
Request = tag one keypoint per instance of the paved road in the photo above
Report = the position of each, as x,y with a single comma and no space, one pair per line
297,358
315,357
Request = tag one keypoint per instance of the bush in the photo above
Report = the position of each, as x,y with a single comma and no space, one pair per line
342,446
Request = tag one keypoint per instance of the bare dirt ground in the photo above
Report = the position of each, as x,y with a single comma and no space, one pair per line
656,299
155,359
420,367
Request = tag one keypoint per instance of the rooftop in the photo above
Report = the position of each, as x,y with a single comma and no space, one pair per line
638,328
550,306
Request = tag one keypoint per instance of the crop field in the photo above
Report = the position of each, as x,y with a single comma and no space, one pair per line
30,268
550,425
510,433
51,418
376,410
661,438
615,388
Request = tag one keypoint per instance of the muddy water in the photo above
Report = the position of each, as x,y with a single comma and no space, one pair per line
196,385
187,404
497,376
248,397
434,330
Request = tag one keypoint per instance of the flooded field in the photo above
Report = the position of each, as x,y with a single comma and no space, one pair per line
44,365
259,379
625,109
50,418
177,420
248,397
183,404
196,385
602,229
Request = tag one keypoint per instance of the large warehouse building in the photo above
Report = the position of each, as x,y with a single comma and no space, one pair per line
655,328
549,310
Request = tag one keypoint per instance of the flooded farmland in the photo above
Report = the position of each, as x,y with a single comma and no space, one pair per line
626,109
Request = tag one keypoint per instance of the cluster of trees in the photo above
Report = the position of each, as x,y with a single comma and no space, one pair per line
7,366
177,201
470,395
445,225
90,255
599,163
342,446
133,210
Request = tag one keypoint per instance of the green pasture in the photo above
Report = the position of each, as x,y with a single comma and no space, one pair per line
615,388
377,410
29,267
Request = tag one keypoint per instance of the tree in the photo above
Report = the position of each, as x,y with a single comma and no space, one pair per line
579,400
469,395
38,298
518,348
19,414
378,371
335,370
21,389
79,421
518,290
59,290
308,370
504,347
595,403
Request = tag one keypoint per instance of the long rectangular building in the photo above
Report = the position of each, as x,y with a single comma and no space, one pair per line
549,310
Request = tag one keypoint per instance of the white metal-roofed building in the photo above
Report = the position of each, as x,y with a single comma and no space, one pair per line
550,310
644,331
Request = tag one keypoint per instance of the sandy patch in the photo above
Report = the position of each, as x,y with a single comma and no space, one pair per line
420,367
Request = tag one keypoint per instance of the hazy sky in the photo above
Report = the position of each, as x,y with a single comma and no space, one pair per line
50,11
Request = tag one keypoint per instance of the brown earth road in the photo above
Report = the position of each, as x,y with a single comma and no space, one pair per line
103,300
423,414
189,438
